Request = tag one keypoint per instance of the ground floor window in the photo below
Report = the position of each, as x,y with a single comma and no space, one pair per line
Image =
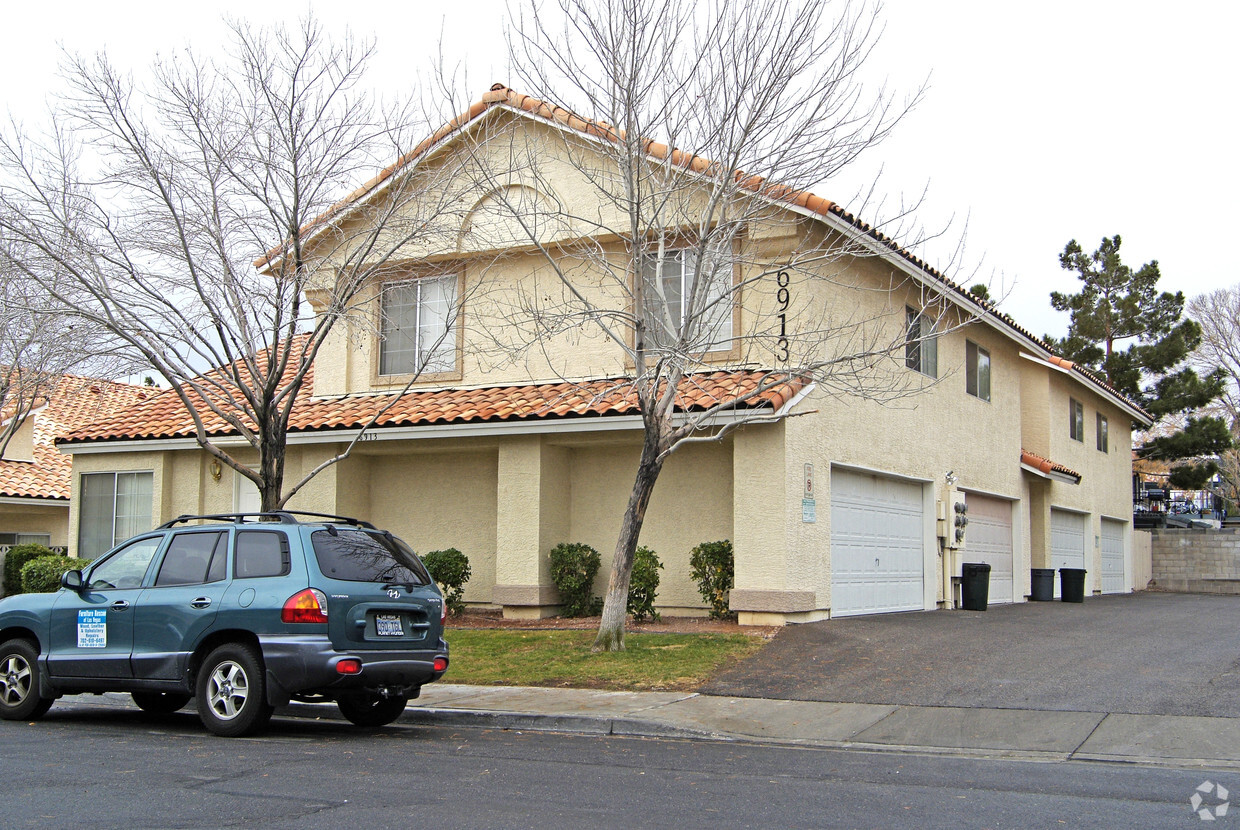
44,539
114,506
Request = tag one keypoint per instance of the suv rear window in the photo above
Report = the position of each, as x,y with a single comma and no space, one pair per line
361,556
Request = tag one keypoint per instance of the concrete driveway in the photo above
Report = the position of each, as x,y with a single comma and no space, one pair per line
1146,653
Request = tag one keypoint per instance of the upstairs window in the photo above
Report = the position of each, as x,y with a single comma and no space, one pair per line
921,348
687,308
417,334
1076,420
976,370
1102,433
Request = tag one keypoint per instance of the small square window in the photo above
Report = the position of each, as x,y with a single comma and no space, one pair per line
921,348
1076,420
417,331
1102,433
976,370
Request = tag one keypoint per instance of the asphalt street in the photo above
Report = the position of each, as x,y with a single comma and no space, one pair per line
1145,653
90,766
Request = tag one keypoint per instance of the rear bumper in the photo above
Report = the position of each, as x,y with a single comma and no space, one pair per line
306,665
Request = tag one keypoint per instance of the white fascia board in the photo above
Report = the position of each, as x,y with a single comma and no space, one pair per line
1030,469
148,445
1118,400
473,430
34,501
1053,475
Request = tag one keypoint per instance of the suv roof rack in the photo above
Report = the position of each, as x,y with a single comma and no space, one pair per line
281,516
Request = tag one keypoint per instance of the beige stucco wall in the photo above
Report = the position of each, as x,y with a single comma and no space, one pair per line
32,517
1106,478
691,504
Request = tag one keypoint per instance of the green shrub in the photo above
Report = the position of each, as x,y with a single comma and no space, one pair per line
573,567
15,560
42,575
712,569
644,584
450,569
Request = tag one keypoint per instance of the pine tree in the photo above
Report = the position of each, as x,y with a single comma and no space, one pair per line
1118,305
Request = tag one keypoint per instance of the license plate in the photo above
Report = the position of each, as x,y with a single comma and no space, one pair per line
388,625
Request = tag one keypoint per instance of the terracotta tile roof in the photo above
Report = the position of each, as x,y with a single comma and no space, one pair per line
1045,465
501,95
74,403
164,416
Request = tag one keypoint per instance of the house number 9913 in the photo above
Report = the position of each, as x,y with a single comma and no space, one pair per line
782,296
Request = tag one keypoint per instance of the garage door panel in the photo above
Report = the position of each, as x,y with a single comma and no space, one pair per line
989,540
1113,576
1067,541
876,544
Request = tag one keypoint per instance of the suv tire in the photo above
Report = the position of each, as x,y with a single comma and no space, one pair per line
232,691
160,703
371,710
19,682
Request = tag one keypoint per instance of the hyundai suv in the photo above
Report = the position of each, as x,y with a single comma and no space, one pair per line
242,613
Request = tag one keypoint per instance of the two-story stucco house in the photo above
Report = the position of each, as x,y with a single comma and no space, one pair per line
848,507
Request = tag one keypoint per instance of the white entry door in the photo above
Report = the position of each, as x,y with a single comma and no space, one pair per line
877,544
1067,542
989,539
1113,577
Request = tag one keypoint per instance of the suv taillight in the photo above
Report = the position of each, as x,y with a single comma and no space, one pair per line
308,606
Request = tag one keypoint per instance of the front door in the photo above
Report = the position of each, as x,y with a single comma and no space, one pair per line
92,629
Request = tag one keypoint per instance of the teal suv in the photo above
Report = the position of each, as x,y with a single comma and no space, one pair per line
242,613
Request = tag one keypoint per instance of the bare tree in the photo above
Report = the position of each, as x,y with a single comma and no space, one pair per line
709,122
38,345
1218,314
150,211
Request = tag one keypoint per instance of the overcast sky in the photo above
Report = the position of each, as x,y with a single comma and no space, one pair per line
1043,122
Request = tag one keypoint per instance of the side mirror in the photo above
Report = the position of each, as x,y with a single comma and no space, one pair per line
72,580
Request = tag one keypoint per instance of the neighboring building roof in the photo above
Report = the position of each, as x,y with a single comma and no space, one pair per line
75,402
1047,468
164,416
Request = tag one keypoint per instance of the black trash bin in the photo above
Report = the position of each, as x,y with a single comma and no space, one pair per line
1072,584
974,585
1042,584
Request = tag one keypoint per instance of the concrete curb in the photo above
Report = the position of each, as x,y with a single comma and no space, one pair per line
520,721
1147,740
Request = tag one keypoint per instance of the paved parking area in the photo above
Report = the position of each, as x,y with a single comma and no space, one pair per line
1146,653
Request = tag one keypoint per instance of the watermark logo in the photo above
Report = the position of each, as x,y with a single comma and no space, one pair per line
1210,801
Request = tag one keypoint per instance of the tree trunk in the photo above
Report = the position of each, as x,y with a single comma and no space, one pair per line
615,603
271,469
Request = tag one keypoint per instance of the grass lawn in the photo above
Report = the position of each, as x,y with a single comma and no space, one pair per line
651,662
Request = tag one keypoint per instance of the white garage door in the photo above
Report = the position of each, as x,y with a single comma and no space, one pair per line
1067,542
989,539
877,544
1113,581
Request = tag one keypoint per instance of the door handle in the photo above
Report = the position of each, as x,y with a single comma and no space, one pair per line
201,602
120,605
